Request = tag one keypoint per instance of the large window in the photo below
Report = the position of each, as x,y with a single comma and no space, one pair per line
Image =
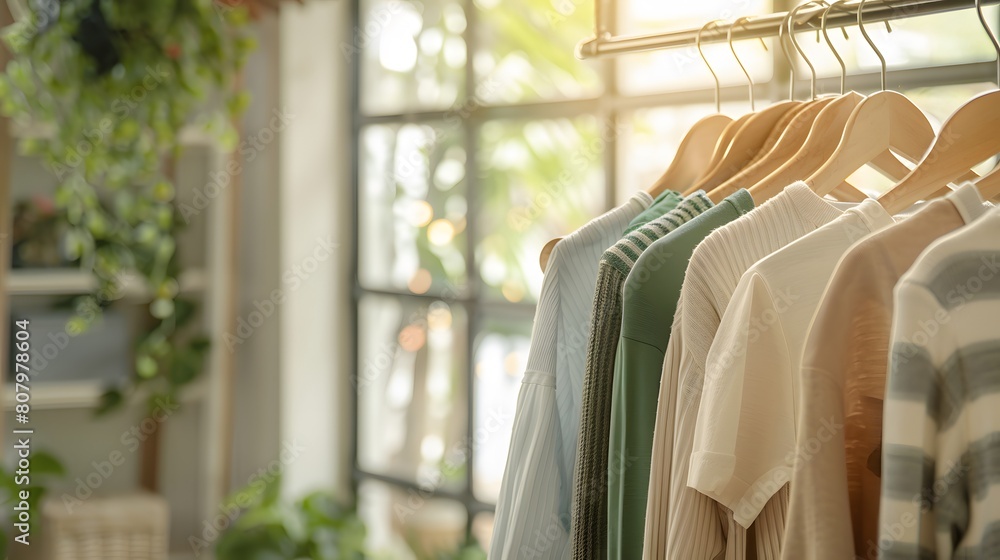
478,138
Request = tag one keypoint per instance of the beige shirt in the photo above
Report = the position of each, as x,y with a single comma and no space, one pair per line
834,493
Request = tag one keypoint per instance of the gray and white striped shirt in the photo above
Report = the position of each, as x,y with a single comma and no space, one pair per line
941,429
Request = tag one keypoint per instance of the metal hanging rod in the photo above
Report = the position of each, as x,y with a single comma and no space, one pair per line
604,44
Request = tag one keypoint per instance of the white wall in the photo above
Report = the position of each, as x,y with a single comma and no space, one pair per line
315,209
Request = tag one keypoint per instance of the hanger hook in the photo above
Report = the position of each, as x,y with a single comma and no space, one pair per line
732,27
788,56
993,37
878,53
697,43
829,43
798,48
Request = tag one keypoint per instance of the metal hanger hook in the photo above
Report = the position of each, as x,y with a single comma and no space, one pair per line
878,53
788,57
992,35
697,44
732,27
798,48
829,43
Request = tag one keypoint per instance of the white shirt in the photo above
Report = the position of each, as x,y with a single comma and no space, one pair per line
744,442
533,510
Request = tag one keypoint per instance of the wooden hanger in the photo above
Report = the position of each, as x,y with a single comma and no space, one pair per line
883,121
699,148
791,135
820,144
989,184
968,137
694,155
750,138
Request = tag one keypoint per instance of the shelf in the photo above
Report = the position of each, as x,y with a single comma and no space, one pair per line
56,395
37,281
190,135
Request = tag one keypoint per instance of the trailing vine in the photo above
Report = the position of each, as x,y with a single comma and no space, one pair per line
111,84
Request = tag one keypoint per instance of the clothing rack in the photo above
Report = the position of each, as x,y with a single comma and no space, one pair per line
604,44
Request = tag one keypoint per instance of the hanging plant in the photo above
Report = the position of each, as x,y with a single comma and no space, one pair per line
111,83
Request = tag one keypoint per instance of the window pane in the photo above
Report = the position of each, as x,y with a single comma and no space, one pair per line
501,356
526,51
650,138
405,524
412,208
539,179
683,69
954,37
412,390
482,529
412,55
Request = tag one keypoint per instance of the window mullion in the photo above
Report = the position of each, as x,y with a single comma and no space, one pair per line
470,130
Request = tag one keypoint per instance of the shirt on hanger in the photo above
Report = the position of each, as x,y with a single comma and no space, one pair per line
649,300
532,516
744,439
696,527
834,494
664,203
589,528
941,431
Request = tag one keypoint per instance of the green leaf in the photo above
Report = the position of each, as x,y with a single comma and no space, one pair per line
161,308
145,366
110,400
45,463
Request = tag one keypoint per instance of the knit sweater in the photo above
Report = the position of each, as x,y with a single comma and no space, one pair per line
590,493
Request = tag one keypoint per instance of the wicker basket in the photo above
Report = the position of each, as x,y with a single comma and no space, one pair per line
130,527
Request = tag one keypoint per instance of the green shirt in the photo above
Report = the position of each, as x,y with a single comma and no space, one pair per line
650,299
667,201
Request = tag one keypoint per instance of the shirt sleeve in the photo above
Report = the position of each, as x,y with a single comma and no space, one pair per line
916,481
745,432
527,523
